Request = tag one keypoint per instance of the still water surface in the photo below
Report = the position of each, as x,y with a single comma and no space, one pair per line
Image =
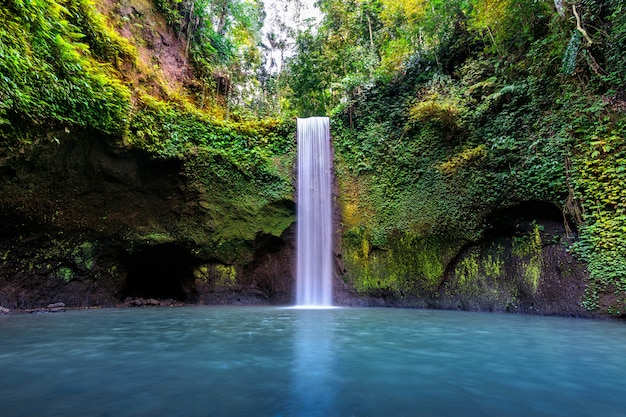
272,362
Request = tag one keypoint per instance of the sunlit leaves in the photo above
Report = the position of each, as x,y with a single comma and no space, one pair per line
601,182
49,71
510,24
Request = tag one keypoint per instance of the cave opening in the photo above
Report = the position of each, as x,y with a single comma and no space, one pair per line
163,272
521,216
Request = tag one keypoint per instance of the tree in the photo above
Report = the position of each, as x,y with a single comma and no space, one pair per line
223,40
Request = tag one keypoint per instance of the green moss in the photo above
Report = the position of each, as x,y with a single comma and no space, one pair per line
478,275
226,275
409,264
65,273
493,264
478,280
240,170
532,272
202,273
83,256
528,249
156,236
236,202
467,271
168,129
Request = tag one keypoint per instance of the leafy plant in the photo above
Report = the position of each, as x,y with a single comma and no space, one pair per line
50,77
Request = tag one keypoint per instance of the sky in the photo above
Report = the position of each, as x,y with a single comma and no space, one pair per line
285,12
287,9
310,10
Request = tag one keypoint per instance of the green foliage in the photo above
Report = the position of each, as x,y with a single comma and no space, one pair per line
242,172
309,82
601,183
59,66
571,53
170,130
419,173
432,153
418,29
616,44
510,25
336,60
105,43
435,109
65,273
51,77
83,256
443,112
223,39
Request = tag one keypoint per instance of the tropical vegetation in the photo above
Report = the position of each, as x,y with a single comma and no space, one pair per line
442,111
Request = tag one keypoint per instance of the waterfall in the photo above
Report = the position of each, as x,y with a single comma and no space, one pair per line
314,231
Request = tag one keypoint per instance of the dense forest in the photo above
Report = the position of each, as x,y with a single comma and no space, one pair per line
473,140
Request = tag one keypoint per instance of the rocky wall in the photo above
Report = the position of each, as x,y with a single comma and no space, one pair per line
89,222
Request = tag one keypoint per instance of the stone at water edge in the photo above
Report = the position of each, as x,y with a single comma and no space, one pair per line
4,310
56,307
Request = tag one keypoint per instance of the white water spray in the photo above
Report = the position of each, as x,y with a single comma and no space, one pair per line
314,241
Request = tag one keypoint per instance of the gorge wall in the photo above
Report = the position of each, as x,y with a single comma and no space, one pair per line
522,264
87,222
481,180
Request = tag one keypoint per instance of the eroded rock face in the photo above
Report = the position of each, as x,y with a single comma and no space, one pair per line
92,223
527,271
89,222
522,264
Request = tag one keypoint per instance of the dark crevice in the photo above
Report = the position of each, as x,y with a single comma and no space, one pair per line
516,220
7,172
162,272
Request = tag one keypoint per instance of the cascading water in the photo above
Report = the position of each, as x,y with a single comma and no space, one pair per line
314,231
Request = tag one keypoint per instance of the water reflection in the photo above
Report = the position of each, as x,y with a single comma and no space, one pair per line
269,362
313,386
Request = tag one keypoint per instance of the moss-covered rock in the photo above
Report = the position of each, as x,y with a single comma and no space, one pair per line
408,265
78,216
528,270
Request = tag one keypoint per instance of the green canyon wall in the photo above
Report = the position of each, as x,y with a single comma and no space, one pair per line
489,181
121,178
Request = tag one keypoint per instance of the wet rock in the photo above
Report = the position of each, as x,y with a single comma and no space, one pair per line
56,307
101,251
134,302
146,302
50,308
4,310
152,302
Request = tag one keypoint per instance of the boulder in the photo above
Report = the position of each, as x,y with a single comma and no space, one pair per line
136,302
56,307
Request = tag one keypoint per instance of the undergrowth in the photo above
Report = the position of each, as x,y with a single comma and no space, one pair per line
52,73
433,152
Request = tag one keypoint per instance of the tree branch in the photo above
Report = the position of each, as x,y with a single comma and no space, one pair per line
579,26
